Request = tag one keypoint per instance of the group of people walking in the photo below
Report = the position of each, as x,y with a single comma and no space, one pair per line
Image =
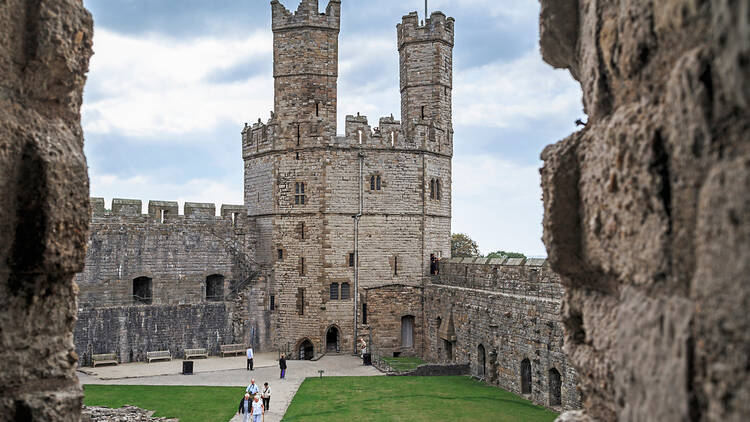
257,400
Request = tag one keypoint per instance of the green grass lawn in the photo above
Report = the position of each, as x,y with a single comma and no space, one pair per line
403,364
409,399
189,404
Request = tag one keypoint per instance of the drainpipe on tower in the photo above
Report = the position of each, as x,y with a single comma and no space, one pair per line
356,248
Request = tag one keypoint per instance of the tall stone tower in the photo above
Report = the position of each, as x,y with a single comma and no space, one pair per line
303,183
305,57
426,73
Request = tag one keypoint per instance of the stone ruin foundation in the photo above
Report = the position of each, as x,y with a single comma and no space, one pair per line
647,212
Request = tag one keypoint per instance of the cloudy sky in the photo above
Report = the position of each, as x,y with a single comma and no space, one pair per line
173,81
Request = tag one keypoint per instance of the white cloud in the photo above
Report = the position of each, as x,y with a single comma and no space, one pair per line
498,204
514,94
152,86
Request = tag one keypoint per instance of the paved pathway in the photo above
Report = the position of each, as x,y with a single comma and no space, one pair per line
230,372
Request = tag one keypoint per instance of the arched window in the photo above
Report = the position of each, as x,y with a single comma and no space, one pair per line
215,288
344,291
142,287
334,291
555,385
407,331
481,361
525,376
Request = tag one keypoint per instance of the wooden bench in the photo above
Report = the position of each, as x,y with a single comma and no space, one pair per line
104,358
196,353
158,355
232,349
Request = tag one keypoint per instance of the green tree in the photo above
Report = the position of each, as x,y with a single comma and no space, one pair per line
500,254
462,246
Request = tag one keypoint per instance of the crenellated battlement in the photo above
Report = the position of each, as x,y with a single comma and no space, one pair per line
437,28
357,132
164,210
306,15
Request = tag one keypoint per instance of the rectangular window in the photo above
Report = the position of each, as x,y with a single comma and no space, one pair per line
351,259
344,291
272,305
302,266
377,182
301,301
299,134
364,313
302,231
280,254
372,182
334,291
395,265
422,112
299,193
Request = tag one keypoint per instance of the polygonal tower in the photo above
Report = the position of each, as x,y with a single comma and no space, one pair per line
426,74
304,184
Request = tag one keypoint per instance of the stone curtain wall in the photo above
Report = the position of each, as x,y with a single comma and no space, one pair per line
131,331
647,211
386,306
177,253
45,48
512,309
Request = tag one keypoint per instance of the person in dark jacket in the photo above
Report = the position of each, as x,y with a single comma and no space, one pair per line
246,407
282,366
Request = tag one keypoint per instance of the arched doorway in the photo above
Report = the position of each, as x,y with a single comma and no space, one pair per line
306,350
525,376
332,340
555,384
481,361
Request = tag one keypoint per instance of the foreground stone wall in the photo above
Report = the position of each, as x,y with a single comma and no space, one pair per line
45,48
387,308
131,331
494,314
647,212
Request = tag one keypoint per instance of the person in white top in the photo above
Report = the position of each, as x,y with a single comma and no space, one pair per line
257,410
265,394
250,358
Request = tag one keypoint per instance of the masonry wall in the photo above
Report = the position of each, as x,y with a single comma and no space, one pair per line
647,211
386,308
513,310
45,48
178,253
131,331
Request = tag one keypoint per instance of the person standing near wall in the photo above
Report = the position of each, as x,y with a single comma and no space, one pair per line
282,366
252,388
250,358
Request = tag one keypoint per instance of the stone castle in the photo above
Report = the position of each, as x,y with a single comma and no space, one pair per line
647,223
335,240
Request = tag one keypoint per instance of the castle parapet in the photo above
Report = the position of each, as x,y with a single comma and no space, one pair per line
230,211
126,207
516,276
159,210
97,206
307,15
200,210
437,28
